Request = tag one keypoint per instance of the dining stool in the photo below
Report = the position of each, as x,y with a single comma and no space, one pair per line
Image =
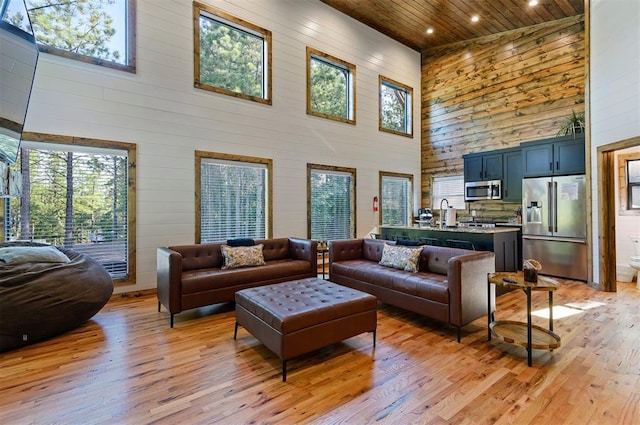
457,243
430,241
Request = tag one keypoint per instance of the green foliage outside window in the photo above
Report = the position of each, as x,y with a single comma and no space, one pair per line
75,200
329,88
395,107
92,28
231,59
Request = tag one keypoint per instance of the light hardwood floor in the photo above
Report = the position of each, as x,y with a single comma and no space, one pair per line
127,366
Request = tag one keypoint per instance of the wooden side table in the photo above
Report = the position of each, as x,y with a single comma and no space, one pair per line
523,334
324,250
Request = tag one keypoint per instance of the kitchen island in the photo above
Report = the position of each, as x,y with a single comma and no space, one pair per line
503,241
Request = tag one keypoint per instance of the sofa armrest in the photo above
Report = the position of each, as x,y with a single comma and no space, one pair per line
345,249
169,280
304,249
467,279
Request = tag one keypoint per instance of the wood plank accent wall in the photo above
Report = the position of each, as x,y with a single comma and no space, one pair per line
496,92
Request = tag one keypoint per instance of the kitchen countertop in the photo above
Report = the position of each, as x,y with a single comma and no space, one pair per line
479,230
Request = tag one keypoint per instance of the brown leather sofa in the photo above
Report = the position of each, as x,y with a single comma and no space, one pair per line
450,284
191,276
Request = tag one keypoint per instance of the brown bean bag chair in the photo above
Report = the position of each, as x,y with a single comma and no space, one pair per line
41,299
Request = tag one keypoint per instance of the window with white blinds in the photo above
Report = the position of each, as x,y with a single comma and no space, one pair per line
331,203
233,200
450,188
395,199
75,197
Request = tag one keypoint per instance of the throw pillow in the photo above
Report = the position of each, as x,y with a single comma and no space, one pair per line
241,242
400,257
32,254
242,256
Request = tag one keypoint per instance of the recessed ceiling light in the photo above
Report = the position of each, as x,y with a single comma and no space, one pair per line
533,3
475,18
429,30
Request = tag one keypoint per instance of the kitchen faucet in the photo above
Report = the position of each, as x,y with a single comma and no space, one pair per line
441,211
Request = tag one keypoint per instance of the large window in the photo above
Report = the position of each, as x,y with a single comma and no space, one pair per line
232,56
331,89
395,107
78,197
396,194
95,31
450,188
331,202
233,196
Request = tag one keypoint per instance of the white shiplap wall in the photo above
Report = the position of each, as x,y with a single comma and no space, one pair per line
614,85
160,111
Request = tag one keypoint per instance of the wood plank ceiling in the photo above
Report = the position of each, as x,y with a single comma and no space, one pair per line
407,21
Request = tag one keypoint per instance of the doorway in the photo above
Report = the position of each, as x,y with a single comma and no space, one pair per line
607,214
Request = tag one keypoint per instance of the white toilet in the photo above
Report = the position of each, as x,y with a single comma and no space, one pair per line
634,261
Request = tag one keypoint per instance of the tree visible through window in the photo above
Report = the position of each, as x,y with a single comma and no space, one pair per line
395,107
233,197
331,202
330,87
77,198
233,56
96,31
395,199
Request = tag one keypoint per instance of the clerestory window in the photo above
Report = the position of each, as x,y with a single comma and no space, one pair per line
331,87
232,56
101,32
395,107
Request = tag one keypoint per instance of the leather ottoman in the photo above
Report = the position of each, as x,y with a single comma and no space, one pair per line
300,316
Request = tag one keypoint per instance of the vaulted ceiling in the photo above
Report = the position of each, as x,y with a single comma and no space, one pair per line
407,21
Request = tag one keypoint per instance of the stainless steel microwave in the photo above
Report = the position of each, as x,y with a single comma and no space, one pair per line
475,191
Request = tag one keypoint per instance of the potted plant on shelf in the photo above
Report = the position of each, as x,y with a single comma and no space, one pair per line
572,125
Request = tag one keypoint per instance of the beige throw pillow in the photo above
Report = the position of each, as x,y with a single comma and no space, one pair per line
401,257
242,256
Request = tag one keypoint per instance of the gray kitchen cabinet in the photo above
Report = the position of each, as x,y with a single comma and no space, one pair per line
558,156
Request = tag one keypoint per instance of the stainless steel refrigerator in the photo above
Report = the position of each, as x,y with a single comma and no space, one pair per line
554,225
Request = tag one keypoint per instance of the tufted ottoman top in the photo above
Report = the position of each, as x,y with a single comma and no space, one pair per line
298,304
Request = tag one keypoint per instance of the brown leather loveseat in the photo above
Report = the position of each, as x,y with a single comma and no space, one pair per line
450,284
191,276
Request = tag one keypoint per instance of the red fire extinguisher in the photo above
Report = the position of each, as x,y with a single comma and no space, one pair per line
375,204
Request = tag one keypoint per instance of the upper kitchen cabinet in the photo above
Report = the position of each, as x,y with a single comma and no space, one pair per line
481,167
558,156
512,172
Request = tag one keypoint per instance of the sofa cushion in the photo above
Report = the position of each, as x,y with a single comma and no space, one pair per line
400,257
242,256
197,281
372,249
430,286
